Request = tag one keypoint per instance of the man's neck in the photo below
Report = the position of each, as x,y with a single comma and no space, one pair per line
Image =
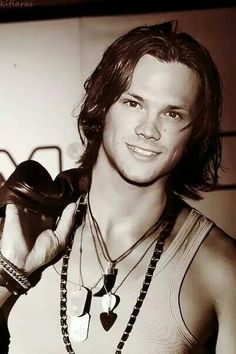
120,207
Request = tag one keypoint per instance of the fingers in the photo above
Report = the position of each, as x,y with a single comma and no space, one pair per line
49,243
12,216
13,245
12,226
65,224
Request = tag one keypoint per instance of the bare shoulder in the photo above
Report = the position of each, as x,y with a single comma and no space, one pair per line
218,269
220,248
209,291
218,263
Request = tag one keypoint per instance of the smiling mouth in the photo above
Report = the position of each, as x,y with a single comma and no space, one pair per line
142,152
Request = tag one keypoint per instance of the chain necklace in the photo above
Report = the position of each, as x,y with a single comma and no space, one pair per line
126,253
79,318
109,297
81,280
130,271
166,228
111,271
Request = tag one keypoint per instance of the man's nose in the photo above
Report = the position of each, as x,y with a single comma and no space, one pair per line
148,127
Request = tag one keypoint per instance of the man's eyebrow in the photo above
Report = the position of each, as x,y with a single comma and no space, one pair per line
176,107
169,107
137,97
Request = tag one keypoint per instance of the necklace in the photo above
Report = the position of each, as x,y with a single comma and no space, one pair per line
111,271
110,299
167,226
80,317
81,281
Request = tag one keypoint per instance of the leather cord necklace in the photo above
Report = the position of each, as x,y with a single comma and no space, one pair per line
80,283
166,228
110,272
110,299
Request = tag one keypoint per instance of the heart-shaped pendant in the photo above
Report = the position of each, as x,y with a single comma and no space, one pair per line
108,319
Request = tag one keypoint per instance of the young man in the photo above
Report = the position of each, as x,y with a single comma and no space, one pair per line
143,272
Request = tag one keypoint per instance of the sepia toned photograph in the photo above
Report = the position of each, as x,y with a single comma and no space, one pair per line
117,178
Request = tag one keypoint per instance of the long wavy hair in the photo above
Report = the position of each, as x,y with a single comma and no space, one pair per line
198,169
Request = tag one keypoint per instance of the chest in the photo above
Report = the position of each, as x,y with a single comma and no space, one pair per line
155,329
164,323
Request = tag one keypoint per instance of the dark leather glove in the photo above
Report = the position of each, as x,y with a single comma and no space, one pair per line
30,186
39,198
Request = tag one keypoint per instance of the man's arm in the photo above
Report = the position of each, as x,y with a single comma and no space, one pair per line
15,250
224,294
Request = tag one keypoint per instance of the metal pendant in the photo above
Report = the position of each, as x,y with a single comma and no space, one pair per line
79,327
110,302
108,281
80,317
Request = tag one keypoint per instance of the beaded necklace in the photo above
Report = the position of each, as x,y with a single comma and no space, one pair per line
169,219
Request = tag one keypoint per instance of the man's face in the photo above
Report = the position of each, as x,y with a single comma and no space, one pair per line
144,136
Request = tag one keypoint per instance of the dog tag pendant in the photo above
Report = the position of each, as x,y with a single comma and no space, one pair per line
80,317
79,327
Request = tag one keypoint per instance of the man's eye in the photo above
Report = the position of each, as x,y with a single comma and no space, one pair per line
132,104
173,115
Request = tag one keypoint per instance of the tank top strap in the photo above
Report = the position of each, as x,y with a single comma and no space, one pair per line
201,226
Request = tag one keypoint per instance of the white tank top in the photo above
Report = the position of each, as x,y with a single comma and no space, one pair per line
34,323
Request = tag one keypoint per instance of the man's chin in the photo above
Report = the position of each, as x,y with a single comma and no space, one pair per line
140,181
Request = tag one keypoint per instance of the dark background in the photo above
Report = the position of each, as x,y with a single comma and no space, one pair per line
23,10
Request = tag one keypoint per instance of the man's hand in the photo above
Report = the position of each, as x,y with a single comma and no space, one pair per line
48,244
